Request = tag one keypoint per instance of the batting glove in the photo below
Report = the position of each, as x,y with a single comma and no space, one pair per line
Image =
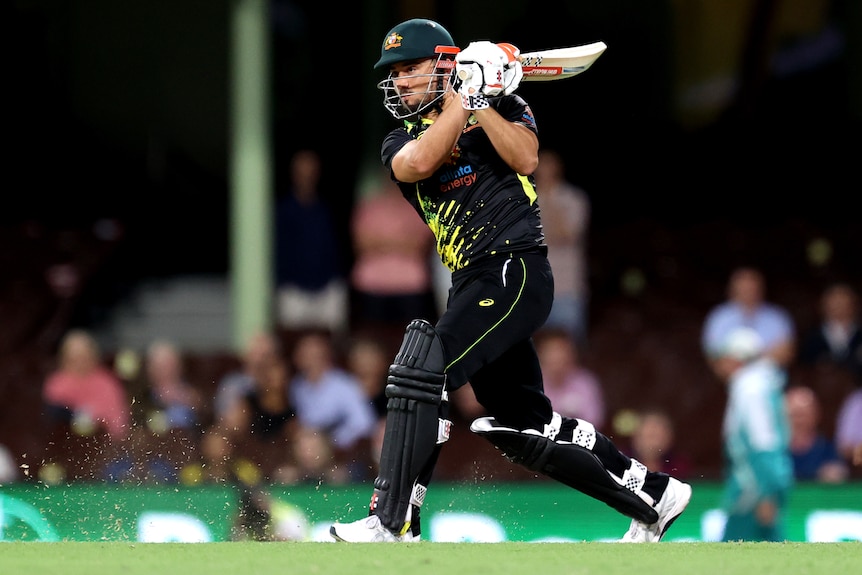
491,60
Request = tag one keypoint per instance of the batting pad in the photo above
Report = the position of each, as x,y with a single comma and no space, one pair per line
414,423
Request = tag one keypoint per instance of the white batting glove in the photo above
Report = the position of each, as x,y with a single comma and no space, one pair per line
490,58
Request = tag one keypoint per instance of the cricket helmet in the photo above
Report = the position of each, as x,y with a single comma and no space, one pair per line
417,39
412,40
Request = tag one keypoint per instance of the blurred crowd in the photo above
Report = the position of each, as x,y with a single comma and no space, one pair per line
304,401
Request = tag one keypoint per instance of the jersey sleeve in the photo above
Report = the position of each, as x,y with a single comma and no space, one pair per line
394,141
515,109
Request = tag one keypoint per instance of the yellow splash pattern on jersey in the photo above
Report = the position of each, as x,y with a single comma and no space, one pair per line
450,241
529,189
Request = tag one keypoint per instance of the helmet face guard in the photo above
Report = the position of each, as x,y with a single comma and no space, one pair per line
437,83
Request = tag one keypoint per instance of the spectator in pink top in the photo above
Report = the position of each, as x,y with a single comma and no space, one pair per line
84,389
574,390
391,276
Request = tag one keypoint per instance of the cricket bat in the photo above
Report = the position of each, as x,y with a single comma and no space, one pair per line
556,63
559,63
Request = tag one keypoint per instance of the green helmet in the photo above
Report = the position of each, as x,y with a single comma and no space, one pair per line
413,40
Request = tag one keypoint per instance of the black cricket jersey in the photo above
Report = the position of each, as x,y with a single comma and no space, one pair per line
475,204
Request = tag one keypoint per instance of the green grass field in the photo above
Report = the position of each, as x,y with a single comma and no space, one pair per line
247,558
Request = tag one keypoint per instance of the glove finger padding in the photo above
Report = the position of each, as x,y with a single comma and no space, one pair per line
512,76
513,72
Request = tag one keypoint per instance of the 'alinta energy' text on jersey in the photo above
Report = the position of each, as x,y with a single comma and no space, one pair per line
475,204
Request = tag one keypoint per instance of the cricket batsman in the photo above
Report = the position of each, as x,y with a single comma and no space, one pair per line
463,156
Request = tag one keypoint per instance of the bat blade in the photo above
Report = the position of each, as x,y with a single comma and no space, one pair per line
559,63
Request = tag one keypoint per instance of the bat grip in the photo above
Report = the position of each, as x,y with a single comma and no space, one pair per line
464,75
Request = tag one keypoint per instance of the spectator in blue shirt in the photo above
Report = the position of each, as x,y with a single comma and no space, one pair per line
815,456
746,306
327,397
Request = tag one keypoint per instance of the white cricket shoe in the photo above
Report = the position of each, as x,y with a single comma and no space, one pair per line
671,505
368,530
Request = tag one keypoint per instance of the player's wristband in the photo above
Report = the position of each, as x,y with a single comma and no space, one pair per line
476,101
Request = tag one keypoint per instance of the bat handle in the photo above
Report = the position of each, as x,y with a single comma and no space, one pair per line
464,75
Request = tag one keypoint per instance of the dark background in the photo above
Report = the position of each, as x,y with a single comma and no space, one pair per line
118,125
122,110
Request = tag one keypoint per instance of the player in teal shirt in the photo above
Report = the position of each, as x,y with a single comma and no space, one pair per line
756,436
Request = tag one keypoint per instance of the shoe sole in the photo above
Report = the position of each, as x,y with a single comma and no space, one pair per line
334,534
680,506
